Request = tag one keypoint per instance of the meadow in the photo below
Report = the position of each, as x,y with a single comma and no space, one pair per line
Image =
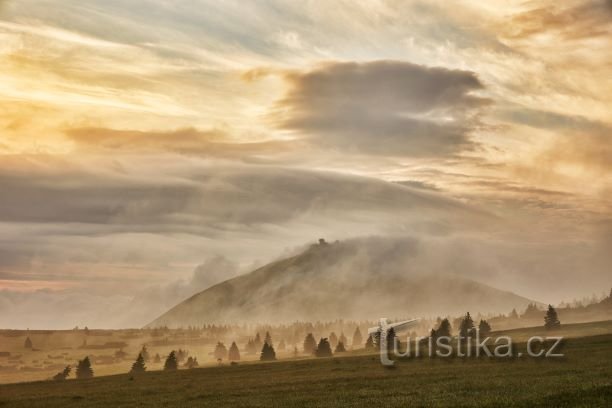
583,378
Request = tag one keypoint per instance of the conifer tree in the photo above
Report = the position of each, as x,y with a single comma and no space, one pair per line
310,344
342,339
145,354
484,328
467,326
444,330
370,343
157,358
333,340
357,338
28,343
257,342
268,338
282,346
171,362
61,376
139,365
220,352
324,348
234,353
84,369
267,353
551,320
340,348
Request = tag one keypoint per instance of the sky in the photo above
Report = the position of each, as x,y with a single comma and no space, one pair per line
150,149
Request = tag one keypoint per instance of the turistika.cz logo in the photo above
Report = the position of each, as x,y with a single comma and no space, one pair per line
456,346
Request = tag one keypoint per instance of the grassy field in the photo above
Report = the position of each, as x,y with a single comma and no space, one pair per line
582,378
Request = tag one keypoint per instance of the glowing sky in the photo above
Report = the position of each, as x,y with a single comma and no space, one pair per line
141,139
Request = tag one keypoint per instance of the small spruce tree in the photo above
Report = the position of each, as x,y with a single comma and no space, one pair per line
333,340
234,353
84,369
467,326
551,320
484,328
268,338
324,348
340,348
444,330
139,365
220,352
267,353
28,343
369,345
357,338
62,375
171,362
310,344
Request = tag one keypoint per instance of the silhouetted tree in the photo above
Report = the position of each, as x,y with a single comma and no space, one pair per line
514,314
310,344
171,363
324,348
484,328
466,328
181,355
139,365
220,352
84,369
28,343
268,339
62,375
234,353
145,354
444,330
340,348
551,320
257,342
342,339
333,340
357,339
370,343
267,353
192,362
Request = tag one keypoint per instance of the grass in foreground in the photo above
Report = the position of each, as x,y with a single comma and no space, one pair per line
582,379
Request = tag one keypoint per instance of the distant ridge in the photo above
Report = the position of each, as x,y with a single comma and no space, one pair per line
356,279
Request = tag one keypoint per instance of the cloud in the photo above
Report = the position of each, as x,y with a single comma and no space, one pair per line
191,141
383,107
574,19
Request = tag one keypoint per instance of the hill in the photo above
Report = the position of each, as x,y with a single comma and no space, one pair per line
580,379
356,279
